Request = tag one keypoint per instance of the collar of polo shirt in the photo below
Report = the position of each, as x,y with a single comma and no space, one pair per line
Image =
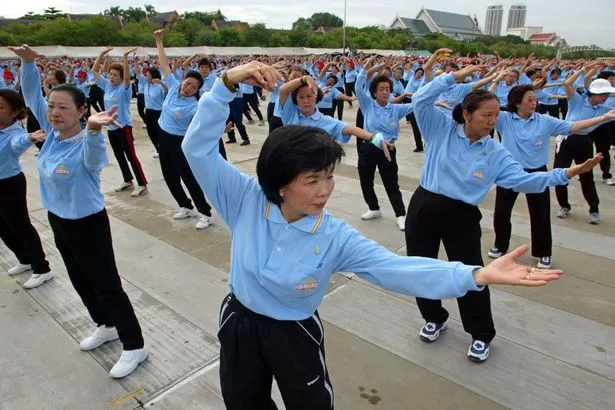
316,116
308,223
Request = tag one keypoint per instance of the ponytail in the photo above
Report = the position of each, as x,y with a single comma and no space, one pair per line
458,114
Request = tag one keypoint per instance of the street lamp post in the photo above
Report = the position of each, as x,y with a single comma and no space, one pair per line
344,31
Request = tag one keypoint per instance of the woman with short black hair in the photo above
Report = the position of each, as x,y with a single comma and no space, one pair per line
286,246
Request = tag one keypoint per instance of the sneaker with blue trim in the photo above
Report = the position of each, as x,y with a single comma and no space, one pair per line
494,253
594,218
478,351
431,331
544,262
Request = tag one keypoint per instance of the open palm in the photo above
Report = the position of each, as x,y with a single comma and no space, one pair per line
104,118
506,271
26,53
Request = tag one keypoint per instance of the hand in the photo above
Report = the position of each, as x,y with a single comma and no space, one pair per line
159,35
26,53
255,73
311,83
130,51
280,65
229,127
443,51
505,271
106,51
584,167
610,115
104,118
37,136
443,104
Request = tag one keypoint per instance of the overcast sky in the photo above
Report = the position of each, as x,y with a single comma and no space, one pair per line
593,23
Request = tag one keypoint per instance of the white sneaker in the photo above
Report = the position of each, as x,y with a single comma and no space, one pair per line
204,222
19,268
124,186
609,181
37,280
128,362
156,155
185,213
563,212
139,191
371,215
101,335
401,222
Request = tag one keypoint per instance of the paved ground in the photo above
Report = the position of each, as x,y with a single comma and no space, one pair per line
554,349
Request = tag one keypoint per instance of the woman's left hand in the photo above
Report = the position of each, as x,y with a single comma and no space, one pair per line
506,271
37,136
584,167
104,118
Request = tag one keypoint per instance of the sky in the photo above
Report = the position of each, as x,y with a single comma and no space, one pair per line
591,24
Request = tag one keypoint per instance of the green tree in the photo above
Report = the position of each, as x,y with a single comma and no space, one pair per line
228,37
325,19
51,13
205,18
150,10
257,35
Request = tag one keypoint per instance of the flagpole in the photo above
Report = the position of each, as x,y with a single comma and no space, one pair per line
344,31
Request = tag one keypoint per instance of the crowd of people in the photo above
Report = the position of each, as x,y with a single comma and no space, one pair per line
480,121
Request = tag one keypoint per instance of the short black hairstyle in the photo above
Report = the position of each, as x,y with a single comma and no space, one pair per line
515,96
76,94
155,73
197,76
205,61
15,101
381,78
605,75
471,103
290,150
332,77
319,94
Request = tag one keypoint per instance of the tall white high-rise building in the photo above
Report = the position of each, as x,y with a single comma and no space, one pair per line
493,20
516,16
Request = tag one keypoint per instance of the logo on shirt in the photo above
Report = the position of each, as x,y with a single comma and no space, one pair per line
308,283
538,144
478,174
63,171
178,114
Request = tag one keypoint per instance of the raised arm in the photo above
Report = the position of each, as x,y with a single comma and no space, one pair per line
569,83
498,77
98,62
223,184
125,66
291,86
163,61
31,84
432,61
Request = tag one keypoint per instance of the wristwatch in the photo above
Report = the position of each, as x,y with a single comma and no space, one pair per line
93,132
232,87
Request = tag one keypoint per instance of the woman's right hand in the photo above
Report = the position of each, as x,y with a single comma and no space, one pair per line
26,53
255,73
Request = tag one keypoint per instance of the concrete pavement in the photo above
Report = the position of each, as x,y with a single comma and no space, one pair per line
554,347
